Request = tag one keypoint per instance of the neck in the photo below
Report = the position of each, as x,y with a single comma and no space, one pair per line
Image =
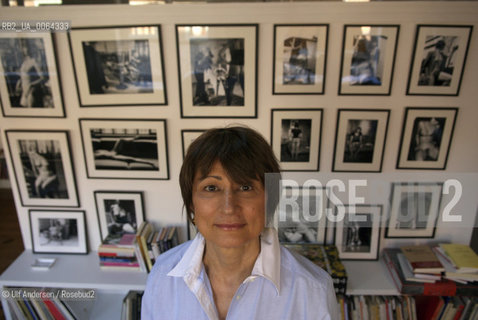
231,264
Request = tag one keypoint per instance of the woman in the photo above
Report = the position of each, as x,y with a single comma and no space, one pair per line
46,180
31,79
119,220
356,143
427,139
295,135
235,267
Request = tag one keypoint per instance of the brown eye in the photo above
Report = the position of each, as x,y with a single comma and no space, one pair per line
210,188
246,188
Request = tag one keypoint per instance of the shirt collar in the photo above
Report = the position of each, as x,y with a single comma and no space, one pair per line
267,264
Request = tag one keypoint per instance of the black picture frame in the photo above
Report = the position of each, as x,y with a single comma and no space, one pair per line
359,231
368,59
439,59
306,156
299,58
188,136
360,140
118,65
30,83
420,201
426,138
125,148
58,231
303,224
127,205
43,167
236,46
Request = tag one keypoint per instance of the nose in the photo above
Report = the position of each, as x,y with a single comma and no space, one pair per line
229,202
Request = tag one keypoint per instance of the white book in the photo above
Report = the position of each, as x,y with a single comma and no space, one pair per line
407,270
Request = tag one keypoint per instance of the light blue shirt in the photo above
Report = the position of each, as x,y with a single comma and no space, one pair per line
282,285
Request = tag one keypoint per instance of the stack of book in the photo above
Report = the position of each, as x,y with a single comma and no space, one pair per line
417,270
46,303
137,252
459,260
131,309
326,257
360,307
120,255
444,308
420,264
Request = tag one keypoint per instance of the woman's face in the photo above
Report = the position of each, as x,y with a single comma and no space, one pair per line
226,213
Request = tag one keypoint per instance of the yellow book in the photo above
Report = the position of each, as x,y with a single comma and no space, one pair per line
464,258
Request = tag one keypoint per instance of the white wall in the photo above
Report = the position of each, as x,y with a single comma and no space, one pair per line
162,198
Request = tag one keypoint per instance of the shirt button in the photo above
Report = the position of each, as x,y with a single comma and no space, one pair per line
238,297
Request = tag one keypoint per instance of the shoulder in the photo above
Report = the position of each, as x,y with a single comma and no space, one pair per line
298,268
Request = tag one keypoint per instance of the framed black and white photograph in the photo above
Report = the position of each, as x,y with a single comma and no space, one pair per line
217,70
360,139
438,60
119,213
117,66
300,52
125,149
188,136
301,215
295,138
357,235
368,59
43,168
29,76
55,231
426,138
414,210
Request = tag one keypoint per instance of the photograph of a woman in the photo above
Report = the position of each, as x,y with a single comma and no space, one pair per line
357,235
439,59
437,67
43,168
26,72
218,72
120,217
299,59
295,145
427,135
120,66
58,232
235,266
360,140
368,60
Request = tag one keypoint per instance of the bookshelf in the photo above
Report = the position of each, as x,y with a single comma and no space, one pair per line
82,271
76,271
369,278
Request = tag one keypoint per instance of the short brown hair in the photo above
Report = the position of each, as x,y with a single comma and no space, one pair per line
243,153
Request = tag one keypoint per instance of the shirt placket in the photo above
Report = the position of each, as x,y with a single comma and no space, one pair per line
238,296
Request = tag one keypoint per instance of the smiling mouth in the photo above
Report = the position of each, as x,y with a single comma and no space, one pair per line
230,226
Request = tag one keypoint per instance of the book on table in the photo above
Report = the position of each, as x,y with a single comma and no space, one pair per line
451,272
422,259
442,287
463,258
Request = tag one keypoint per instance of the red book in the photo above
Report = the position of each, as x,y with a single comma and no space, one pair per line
52,307
422,259
460,306
428,307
